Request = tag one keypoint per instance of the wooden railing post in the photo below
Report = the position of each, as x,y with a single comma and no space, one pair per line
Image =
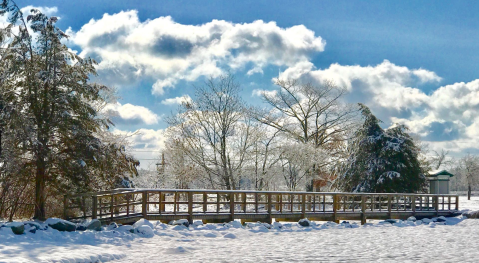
65,206
127,204
111,206
363,209
144,197
279,198
389,206
303,206
457,202
413,205
310,200
94,208
205,202
436,204
232,206
83,206
190,207
270,217
244,202
335,208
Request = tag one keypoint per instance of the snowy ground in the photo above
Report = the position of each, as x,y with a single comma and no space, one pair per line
323,242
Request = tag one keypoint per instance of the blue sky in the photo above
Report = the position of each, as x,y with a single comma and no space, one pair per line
412,62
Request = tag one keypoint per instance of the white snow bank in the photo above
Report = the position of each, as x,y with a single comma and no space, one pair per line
145,231
53,220
395,241
14,224
143,222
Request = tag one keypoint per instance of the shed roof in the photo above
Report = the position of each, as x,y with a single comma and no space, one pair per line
442,172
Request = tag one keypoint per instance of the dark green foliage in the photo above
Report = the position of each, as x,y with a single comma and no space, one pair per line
382,161
55,136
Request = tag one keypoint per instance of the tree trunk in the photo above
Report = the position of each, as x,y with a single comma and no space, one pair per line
469,192
40,190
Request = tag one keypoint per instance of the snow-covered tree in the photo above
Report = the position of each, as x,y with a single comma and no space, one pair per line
297,159
52,125
469,167
310,114
263,165
214,131
382,160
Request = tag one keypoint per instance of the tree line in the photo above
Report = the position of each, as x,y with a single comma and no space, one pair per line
304,137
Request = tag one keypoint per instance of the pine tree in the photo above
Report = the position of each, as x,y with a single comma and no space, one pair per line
382,160
48,90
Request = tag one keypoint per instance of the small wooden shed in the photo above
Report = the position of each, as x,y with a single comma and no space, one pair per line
439,182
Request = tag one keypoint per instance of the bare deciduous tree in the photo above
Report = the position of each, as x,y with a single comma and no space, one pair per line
214,130
440,159
469,165
310,114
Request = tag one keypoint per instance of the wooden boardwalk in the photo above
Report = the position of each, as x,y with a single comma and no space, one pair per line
128,205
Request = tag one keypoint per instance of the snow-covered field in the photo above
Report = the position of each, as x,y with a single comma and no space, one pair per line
452,241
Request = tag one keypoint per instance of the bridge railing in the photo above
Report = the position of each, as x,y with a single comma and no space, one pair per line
176,203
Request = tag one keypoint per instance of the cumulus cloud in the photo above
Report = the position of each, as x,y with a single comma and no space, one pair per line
166,51
448,114
260,93
176,101
385,84
130,114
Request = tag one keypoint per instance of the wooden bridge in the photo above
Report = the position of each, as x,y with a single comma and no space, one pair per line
128,205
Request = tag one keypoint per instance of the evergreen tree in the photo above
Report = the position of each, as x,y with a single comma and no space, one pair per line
382,160
51,103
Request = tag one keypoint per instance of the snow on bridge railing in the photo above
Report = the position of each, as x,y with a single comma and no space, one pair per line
168,204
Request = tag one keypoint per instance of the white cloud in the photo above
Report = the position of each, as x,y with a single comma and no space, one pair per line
166,51
260,93
391,91
385,84
49,11
176,101
426,75
254,71
131,114
148,139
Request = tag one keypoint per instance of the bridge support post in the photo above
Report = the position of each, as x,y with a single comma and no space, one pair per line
144,197
335,208
232,206
190,207
413,205
94,208
363,210
389,206
65,207
270,218
436,204
303,206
